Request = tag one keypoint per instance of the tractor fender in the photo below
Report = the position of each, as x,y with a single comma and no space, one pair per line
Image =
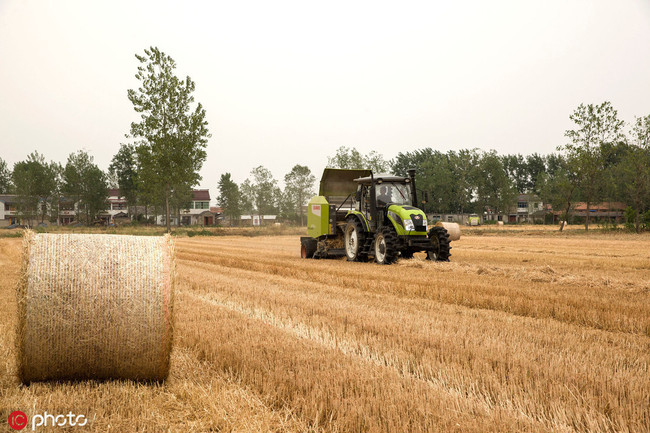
359,217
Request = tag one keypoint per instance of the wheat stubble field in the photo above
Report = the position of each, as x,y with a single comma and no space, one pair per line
518,333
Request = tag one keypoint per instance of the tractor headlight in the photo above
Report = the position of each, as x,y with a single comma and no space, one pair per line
425,223
408,225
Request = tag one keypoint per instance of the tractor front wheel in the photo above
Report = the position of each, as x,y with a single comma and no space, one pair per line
354,240
386,246
440,241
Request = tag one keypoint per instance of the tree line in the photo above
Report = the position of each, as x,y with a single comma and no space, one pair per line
603,160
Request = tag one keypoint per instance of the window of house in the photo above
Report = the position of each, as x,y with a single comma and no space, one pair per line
201,205
522,204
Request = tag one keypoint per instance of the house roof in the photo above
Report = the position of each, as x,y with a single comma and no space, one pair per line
201,194
8,198
614,205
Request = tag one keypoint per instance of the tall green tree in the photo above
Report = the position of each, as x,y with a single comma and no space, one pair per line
172,131
517,170
634,170
124,168
351,158
436,178
495,190
247,200
299,187
264,188
56,197
464,165
559,189
596,126
35,182
6,185
86,184
229,198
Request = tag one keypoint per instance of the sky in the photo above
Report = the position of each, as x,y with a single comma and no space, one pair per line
289,82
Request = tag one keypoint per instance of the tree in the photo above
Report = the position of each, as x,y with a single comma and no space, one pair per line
596,127
264,188
86,184
6,186
351,158
299,186
124,167
559,189
436,178
495,190
173,136
465,174
229,197
516,169
247,193
634,169
35,181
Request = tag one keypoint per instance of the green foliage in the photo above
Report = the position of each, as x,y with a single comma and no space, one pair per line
264,191
299,187
633,170
351,158
6,185
124,167
597,127
630,217
172,133
229,197
495,190
35,182
86,184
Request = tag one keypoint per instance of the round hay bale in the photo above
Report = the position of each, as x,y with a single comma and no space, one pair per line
95,307
499,223
452,228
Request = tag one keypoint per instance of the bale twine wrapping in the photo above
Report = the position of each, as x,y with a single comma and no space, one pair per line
95,307
452,228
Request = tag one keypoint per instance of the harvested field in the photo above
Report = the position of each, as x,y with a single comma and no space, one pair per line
518,333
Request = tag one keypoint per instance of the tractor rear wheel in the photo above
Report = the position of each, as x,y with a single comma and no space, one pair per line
440,241
386,246
355,239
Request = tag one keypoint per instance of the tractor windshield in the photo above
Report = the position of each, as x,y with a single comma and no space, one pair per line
397,193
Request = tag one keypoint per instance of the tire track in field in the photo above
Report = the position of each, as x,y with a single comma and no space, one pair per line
351,347
533,299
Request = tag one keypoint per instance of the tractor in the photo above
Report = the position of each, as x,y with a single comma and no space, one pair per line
362,216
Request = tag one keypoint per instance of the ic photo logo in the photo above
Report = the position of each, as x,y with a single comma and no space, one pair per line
18,420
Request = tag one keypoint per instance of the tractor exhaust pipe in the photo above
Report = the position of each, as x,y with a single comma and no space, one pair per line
373,202
414,193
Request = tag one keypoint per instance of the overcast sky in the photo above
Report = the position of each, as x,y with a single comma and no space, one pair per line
287,83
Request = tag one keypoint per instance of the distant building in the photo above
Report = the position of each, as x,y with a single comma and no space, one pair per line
613,211
199,212
258,220
8,210
530,209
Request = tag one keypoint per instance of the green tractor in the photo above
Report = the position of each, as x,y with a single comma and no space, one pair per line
363,216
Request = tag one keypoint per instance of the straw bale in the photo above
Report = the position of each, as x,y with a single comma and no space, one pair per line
452,228
95,307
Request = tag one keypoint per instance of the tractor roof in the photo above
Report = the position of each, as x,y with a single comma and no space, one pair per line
383,177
